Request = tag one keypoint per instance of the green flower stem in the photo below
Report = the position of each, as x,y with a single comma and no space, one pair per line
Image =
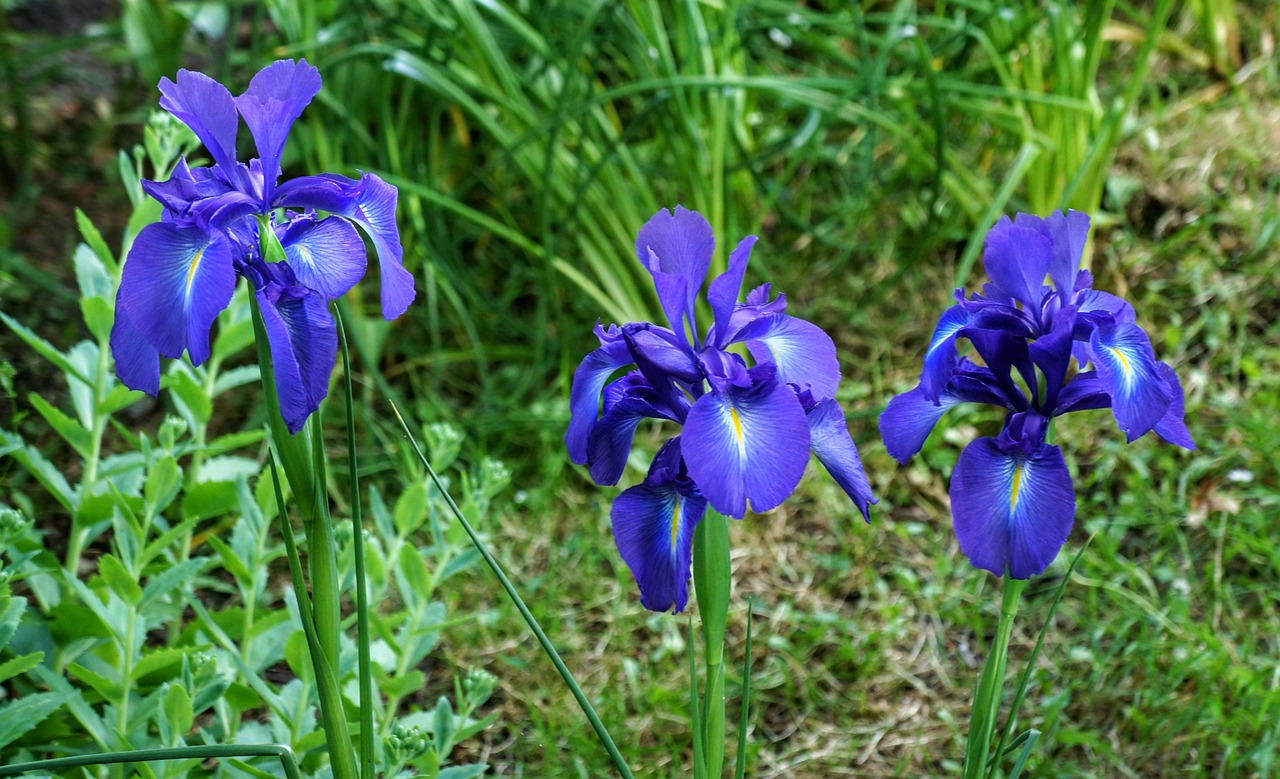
362,586
322,559
986,703
713,582
332,715
618,762
217,752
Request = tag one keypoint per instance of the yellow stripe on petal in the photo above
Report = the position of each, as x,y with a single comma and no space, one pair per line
1017,485
1124,362
675,525
191,272
737,429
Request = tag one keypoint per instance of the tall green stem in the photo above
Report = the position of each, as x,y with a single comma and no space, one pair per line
986,702
713,581
601,732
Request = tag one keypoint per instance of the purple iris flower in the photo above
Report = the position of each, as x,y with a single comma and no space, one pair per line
1012,500
747,429
181,271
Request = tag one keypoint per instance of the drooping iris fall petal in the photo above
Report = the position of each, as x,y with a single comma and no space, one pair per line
176,281
748,445
1127,367
802,352
1011,510
304,345
653,526
327,255
830,441
137,361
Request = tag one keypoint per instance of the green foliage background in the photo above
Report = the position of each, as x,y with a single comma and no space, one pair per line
870,145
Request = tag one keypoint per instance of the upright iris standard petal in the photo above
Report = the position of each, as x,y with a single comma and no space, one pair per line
1012,510
371,204
584,395
1126,366
749,445
274,100
677,244
940,357
1068,232
1172,427
137,361
723,292
802,352
327,255
176,280
208,109
304,345
1017,260
830,440
653,526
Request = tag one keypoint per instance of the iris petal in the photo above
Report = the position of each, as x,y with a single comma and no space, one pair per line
940,357
803,353
723,292
749,445
327,255
304,345
1068,232
1126,366
371,204
1172,427
176,280
137,361
1011,510
907,421
275,99
653,526
677,244
610,440
1017,260
208,109
830,440
584,395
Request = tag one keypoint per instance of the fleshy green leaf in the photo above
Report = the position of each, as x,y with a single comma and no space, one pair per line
18,717
119,580
63,425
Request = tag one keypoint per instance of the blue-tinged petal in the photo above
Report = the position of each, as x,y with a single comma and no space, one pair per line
724,370
208,109
1126,365
584,395
627,401
1052,354
176,281
184,187
747,445
1011,510
327,255
802,352
137,361
1002,353
1069,232
906,422
304,344
653,526
940,357
830,440
274,100
1097,309
723,292
371,204
1017,259
1084,392
1172,427
678,244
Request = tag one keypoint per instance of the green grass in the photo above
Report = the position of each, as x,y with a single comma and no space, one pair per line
529,147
